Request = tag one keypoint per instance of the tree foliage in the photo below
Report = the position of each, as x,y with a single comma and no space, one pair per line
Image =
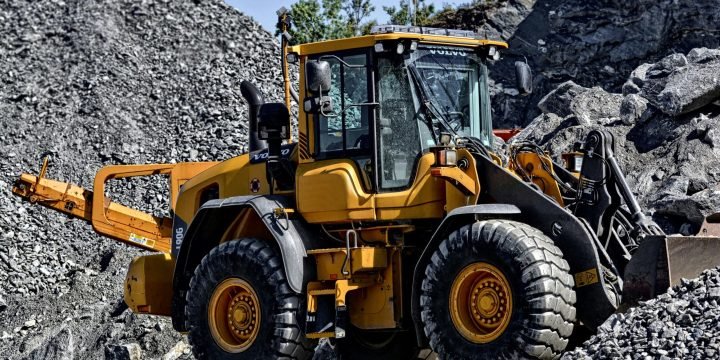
315,20
407,14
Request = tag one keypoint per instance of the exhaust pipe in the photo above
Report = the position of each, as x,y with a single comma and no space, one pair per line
254,99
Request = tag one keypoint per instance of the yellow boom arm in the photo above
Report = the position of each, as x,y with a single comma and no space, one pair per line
110,219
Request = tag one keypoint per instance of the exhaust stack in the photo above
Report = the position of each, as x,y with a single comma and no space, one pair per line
254,99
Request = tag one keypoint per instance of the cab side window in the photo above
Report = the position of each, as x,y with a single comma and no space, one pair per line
345,131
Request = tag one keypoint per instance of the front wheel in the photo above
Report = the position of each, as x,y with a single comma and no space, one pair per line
240,306
497,289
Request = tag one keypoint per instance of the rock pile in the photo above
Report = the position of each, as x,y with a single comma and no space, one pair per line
97,83
592,43
683,323
665,129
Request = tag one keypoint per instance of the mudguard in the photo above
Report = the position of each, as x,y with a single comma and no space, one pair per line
211,221
568,232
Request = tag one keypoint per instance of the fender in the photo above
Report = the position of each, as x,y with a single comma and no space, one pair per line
571,234
211,221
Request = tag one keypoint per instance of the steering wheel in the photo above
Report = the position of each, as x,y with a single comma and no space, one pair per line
362,142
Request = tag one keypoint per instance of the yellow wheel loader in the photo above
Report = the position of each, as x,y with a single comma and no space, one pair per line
390,226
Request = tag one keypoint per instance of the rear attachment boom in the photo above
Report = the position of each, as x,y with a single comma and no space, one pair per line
110,219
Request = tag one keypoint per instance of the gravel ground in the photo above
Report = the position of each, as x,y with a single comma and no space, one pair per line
97,83
119,82
683,323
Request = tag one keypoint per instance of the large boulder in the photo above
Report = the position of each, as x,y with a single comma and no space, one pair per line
671,162
130,351
678,85
59,345
634,108
594,104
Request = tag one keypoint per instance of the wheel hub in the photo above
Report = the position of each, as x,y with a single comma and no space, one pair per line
480,302
234,314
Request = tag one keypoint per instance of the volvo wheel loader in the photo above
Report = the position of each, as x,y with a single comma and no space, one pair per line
390,226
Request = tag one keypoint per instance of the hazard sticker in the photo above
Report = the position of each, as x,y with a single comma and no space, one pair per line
141,240
587,277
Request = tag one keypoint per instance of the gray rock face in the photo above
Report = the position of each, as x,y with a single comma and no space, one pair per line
672,162
592,43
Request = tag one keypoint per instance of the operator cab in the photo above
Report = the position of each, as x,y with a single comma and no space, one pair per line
377,104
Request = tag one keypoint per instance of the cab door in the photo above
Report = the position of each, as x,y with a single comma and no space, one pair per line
335,184
406,189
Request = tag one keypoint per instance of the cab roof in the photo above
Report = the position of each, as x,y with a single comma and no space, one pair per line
424,35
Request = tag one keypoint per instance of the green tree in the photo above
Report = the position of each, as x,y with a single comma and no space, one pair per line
308,21
407,14
356,11
315,20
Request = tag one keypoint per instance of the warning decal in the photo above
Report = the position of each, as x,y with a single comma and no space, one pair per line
587,277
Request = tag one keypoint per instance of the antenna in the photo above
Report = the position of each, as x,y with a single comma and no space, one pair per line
414,12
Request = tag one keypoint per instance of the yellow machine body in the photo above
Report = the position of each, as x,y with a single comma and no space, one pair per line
147,284
111,219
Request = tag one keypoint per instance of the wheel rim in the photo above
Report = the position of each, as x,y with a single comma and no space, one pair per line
234,314
481,303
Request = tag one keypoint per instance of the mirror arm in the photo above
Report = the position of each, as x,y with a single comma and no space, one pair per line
341,61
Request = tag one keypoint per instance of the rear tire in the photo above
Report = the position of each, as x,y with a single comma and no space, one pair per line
484,266
247,278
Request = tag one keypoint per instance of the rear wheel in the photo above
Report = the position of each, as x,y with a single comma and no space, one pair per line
497,289
240,306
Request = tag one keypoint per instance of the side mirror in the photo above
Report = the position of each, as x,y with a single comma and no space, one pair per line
317,75
273,122
318,80
523,77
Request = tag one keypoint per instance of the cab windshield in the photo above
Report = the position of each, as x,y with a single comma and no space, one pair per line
431,90
453,83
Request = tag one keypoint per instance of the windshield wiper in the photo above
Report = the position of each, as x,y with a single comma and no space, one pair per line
428,104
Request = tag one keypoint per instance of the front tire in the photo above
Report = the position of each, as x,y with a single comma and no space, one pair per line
240,306
497,289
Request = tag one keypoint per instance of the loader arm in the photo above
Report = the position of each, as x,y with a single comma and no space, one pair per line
111,219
